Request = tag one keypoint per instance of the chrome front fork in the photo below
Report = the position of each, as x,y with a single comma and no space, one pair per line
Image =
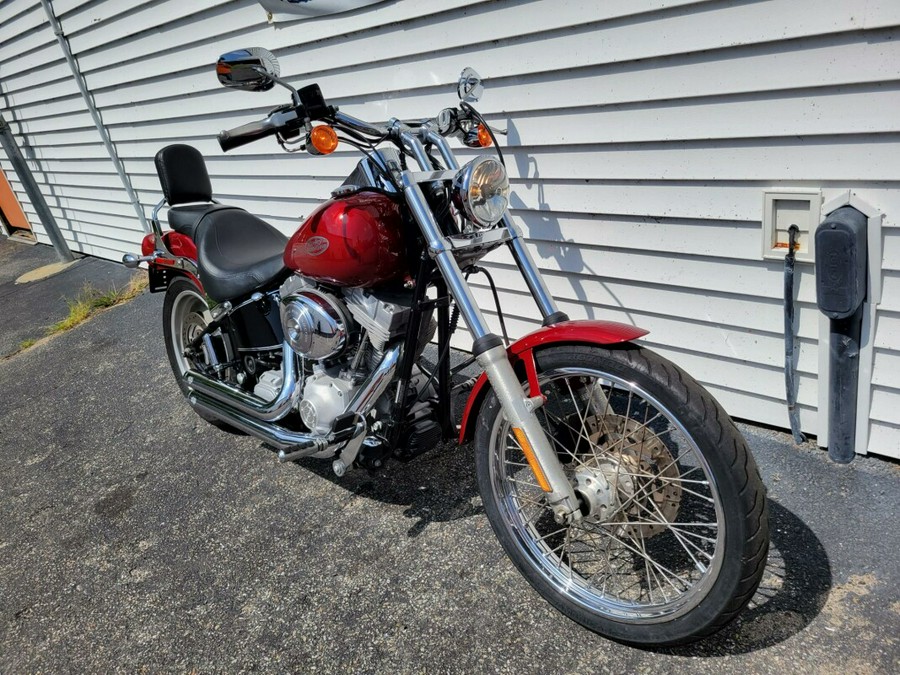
488,348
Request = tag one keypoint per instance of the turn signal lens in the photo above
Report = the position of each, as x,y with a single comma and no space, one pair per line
484,136
323,139
522,440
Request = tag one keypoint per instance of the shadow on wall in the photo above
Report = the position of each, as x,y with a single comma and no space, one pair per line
552,244
51,194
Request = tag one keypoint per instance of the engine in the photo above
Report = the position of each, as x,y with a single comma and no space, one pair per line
341,335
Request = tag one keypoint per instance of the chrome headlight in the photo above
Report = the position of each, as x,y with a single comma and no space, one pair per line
481,190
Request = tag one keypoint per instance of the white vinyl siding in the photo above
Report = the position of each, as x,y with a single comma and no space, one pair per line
642,134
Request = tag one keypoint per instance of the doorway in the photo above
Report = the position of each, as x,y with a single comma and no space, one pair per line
14,221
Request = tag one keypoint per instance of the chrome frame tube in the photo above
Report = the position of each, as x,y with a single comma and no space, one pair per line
240,400
443,257
433,137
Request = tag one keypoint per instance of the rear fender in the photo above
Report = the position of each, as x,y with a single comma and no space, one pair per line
164,268
521,355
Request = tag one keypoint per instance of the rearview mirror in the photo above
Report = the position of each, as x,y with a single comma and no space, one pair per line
470,88
253,69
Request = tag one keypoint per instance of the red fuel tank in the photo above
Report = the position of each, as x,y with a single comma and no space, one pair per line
351,241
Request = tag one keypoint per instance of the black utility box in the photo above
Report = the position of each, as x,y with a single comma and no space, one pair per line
841,262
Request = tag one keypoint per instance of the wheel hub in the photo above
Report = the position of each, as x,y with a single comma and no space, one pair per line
630,476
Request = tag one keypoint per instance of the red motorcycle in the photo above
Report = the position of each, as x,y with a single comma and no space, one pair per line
616,484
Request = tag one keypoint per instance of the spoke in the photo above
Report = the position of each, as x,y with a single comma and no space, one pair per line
667,573
556,440
700,566
642,491
664,478
534,502
583,433
550,534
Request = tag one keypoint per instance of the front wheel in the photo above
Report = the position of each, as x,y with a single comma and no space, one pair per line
673,537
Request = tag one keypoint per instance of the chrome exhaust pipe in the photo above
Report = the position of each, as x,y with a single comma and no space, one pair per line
242,401
301,444
265,431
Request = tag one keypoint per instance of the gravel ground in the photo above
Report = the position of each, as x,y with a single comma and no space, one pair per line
135,537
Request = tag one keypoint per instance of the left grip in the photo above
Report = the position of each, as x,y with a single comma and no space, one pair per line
246,133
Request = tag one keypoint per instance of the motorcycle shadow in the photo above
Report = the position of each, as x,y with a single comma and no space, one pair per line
793,591
437,487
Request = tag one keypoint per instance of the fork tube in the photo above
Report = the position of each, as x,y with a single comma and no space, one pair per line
545,302
488,349
533,279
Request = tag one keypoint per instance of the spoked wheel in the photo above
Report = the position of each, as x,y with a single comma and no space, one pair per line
673,537
185,316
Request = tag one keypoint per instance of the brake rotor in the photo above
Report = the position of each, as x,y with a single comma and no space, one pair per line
634,461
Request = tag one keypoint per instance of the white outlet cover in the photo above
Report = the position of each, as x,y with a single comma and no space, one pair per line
783,208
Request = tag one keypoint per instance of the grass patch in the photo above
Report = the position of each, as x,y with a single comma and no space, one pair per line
88,302
91,300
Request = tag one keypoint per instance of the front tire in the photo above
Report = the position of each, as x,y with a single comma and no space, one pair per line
674,535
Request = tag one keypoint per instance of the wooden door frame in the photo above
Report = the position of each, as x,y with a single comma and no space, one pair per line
14,217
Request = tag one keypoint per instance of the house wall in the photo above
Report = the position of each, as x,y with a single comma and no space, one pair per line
642,134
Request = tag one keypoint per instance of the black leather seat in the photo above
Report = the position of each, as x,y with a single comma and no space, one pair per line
186,218
237,252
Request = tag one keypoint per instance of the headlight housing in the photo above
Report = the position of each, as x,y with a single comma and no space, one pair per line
481,190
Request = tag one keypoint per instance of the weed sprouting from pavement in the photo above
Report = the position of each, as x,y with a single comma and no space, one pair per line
89,301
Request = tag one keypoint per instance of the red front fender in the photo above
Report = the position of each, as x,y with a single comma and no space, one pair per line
521,351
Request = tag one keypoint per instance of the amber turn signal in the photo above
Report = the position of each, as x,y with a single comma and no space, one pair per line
484,136
323,139
522,440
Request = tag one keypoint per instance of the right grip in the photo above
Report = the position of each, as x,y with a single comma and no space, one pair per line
246,133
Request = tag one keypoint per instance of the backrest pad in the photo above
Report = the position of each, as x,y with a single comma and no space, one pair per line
182,174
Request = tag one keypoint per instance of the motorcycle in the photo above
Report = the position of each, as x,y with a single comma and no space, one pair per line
616,484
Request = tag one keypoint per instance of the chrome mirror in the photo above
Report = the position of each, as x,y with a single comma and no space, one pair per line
470,88
253,69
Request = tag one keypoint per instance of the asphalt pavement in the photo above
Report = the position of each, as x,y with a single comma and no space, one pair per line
134,537
27,310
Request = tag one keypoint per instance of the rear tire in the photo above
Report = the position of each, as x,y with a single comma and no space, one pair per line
674,539
185,315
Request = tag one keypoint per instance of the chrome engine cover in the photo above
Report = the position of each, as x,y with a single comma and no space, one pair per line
314,324
325,396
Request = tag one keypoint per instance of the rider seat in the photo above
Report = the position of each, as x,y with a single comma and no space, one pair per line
236,251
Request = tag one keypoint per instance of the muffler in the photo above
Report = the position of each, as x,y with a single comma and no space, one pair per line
265,431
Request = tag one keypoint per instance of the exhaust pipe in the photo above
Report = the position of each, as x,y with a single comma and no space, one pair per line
265,431
216,400
240,400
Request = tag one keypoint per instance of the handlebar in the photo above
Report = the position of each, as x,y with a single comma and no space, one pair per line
290,119
283,120
246,133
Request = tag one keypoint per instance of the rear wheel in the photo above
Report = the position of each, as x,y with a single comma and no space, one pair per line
185,316
673,538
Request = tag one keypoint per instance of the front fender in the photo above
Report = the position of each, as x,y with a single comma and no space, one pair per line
521,352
